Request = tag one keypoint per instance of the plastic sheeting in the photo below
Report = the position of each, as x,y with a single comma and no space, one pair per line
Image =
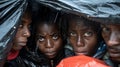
10,14
106,11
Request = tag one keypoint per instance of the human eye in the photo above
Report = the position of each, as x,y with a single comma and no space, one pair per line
21,26
41,38
87,34
105,29
55,36
72,34
29,26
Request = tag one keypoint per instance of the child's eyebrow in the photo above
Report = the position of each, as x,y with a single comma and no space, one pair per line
82,29
53,33
40,35
71,30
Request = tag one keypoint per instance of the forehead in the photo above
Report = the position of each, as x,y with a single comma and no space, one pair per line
43,27
112,26
79,25
76,23
26,18
27,14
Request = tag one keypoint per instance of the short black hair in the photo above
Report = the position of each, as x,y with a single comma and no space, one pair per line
92,24
50,17
95,26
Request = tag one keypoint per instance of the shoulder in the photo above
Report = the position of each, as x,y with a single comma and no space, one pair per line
108,61
18,62
11,63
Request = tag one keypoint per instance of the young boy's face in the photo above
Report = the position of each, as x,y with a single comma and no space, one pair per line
49,40
23,32
111,35
82,38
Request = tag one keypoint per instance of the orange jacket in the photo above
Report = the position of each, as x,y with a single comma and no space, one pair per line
81,61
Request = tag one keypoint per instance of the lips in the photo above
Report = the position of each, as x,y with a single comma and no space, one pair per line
50,53
22,43
81,53
114,53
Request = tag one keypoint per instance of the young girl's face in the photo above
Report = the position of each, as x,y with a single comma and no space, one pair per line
111,35
49,40
23,32
82,38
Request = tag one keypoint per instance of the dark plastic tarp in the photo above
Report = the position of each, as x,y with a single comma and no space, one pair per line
10,14
106,11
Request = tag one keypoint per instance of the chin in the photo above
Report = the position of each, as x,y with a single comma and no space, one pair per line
117,60
50,57
17,48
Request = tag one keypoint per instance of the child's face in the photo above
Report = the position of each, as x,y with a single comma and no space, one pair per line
49,40
111,35
23,32
82,38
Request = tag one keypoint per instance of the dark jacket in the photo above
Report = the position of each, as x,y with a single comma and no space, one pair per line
37,59
101,50
108,61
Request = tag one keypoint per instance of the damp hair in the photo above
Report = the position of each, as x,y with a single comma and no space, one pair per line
92,24
47,16
28,9
95,26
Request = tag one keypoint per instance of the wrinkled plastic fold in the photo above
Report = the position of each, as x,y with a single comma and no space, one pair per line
105,11
10,15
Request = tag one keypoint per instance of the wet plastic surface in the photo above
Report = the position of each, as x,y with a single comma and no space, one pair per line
10,15
101,11
105,11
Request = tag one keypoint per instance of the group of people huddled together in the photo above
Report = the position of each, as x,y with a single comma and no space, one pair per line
44,39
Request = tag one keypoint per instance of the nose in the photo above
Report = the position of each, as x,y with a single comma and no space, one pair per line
49,44
80,41
26,32
114,39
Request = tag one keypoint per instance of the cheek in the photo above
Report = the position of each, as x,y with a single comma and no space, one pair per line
18,36
72,41
105,37
17,39
91,46
41,46
58,44
19,32
92,43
